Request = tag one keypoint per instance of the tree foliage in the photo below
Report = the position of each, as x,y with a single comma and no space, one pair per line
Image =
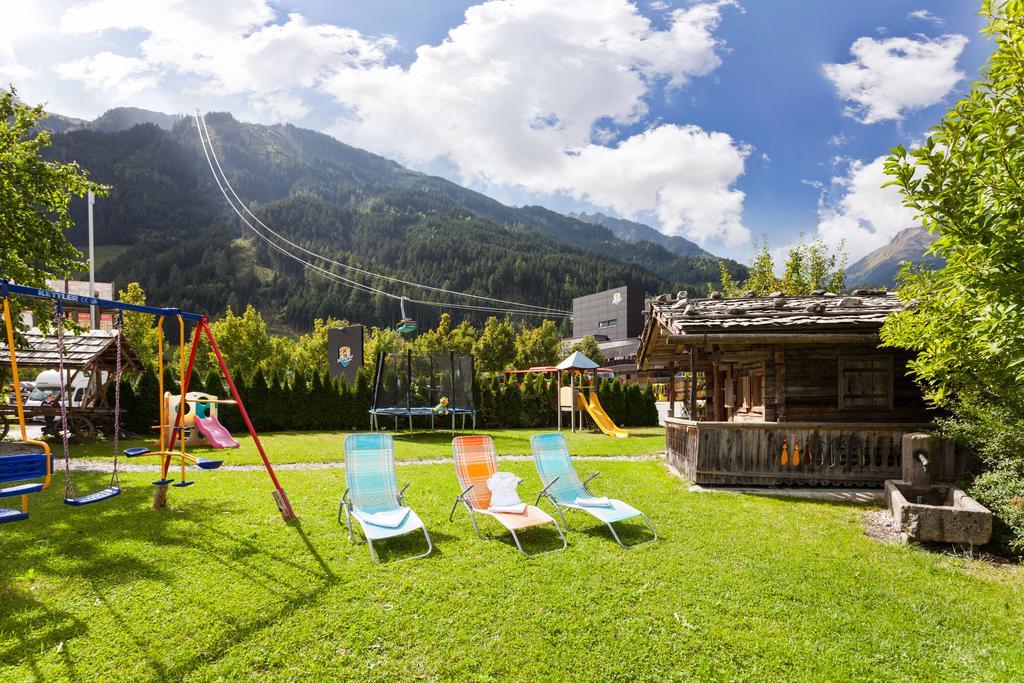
244,342
495,349
589,348
35,198
139,332
809,266
965,320
540,345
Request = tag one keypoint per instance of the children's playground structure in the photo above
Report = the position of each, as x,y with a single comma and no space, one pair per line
202,428
408,384
580,396
22,467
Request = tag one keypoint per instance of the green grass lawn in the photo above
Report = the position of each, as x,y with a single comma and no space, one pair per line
290,447
217,587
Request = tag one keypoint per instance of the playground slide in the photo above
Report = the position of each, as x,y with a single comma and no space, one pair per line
216,435
601,419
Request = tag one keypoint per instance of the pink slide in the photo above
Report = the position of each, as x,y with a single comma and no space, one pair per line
216,435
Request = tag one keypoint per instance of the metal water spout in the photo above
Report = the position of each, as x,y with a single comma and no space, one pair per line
923,457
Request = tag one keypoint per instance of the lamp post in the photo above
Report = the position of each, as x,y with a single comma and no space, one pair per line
92,265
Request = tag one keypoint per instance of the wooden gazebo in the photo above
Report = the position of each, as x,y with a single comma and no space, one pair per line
92,354
783,389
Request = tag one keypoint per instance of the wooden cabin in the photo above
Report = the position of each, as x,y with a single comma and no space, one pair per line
783,390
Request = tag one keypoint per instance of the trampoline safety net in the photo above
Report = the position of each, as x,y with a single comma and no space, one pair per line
411,384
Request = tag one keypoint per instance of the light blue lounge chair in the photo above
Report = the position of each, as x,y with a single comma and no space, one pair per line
372,496
562,486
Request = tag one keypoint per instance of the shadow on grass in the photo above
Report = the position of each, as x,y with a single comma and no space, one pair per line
36,629
82,543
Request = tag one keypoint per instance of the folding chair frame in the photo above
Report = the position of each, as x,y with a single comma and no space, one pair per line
347,506
461,498
544,494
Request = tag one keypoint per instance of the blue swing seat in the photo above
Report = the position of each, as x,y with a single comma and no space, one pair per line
88,499
18,468
20,490
8,515
208,464
182,484
136,452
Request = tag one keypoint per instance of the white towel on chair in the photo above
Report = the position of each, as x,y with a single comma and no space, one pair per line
389,519
513,509
602,502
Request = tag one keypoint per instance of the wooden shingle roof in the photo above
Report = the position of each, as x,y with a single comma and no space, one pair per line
860,311
675,323
79,351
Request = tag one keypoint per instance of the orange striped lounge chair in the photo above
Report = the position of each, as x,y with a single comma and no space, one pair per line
475,462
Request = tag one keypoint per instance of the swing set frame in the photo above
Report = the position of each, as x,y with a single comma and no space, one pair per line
166,452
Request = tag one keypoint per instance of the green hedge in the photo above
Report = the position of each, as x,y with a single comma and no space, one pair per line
530,403
317,402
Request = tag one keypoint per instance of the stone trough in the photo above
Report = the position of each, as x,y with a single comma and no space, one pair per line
938,514
927,507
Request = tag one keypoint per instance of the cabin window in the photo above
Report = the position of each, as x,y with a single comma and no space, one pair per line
865,383
743,393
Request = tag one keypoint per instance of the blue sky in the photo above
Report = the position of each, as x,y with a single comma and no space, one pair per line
719,120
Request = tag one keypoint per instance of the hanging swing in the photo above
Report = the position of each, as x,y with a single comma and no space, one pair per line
114,489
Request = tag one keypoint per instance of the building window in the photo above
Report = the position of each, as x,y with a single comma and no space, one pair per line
605,324
865,383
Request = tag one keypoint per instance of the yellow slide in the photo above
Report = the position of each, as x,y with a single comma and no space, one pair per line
601,419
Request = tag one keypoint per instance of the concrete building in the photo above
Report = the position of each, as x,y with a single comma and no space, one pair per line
615,319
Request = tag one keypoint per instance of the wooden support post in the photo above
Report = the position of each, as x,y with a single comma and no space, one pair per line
693,383
719,414
672,389
780,382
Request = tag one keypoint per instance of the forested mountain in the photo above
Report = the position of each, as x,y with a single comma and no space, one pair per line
631,231
188,249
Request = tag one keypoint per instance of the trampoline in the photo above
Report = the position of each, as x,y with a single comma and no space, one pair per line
409,385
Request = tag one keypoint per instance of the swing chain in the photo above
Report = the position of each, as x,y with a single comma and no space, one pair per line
115,479
58,321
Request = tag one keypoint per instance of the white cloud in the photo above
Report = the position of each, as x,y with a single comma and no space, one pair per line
526,94
232,47
523,97
926,15
122,76
866,215
890,77
658,5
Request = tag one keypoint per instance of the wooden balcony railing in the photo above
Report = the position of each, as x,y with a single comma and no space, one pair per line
774,453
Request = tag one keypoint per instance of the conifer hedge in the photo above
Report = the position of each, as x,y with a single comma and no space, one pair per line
320,403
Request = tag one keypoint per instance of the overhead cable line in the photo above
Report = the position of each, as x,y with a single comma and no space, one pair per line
222,182
201,120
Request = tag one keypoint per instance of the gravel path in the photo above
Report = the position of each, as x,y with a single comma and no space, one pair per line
104,465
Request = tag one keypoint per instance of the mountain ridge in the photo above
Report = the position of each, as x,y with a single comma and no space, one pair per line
631,231
881,266
185,244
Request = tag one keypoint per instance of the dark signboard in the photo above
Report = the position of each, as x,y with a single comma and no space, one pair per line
345,351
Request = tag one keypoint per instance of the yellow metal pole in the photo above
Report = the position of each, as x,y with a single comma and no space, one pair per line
17,399
160,378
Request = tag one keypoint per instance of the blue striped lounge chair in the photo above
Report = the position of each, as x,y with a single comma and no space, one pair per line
372,496
563,488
